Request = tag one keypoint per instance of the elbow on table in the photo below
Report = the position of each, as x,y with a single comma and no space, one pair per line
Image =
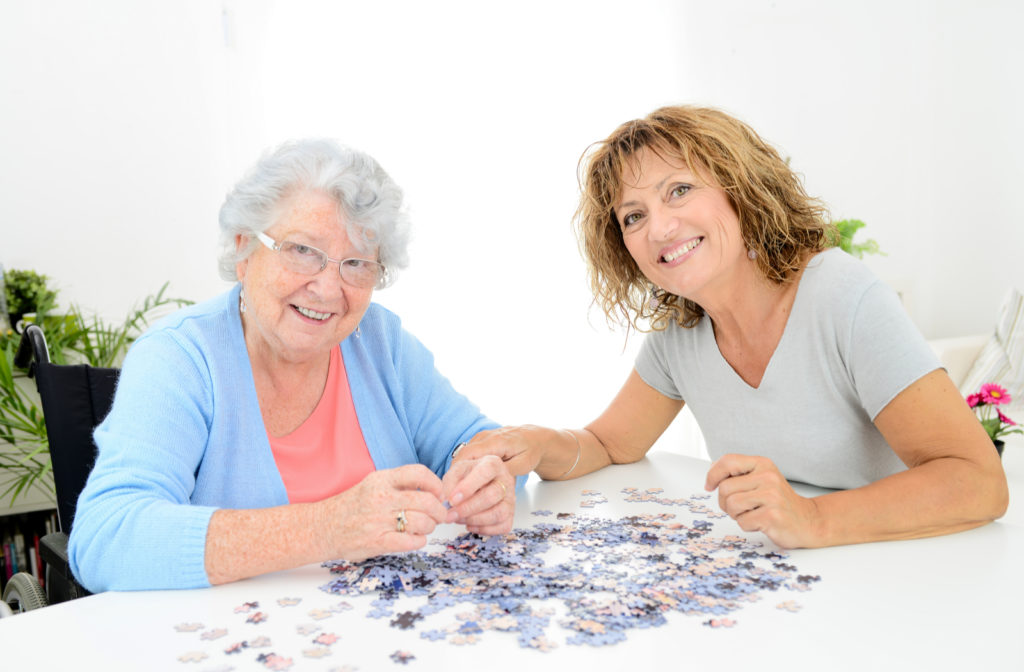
998,496
625,457
989,496
82,556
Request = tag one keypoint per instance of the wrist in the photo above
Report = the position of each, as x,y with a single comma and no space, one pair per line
818,524
579,454
562,453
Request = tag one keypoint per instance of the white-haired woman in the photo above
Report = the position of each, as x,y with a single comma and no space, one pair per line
289,420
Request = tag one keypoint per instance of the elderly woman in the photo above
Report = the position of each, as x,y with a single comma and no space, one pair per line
289,420
797,362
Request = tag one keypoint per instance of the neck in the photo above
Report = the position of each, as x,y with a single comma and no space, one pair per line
750,308
282,373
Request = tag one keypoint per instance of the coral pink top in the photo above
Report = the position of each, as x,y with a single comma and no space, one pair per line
326,454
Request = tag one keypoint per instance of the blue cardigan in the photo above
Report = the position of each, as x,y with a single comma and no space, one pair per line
185,437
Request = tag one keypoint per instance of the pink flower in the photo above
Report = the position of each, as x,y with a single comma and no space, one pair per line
1005,419
994,394
973,400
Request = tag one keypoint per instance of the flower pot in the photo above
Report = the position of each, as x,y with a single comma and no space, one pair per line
999,447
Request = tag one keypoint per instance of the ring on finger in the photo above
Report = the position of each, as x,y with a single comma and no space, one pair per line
504,490
401,521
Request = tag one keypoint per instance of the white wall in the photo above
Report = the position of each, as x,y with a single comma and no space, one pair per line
904,114
122,124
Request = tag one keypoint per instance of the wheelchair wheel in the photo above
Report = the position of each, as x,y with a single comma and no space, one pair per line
23,593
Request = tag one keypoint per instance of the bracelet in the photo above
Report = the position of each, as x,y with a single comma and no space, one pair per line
459,447
579,452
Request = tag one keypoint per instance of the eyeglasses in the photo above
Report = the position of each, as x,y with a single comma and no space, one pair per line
309,260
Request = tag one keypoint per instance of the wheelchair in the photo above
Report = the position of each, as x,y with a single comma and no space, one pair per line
75,398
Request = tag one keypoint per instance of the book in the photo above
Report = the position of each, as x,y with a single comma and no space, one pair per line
20,550
39,559
33,566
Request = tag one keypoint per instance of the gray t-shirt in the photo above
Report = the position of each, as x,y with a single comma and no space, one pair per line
847,350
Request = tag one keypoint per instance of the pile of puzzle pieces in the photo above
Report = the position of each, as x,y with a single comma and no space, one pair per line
622,574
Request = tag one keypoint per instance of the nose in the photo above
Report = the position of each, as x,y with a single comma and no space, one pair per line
328,282
662,222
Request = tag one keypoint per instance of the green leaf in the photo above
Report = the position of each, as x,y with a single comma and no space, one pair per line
845,230
73,338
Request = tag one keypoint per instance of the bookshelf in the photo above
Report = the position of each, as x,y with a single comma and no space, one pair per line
19,542
22,523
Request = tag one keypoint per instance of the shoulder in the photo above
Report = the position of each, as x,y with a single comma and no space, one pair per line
835,270
197,316
197,331
836,283
380,329
381,336
378,317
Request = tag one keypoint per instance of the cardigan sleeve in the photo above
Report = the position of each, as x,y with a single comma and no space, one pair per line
441,417
134,527
394,374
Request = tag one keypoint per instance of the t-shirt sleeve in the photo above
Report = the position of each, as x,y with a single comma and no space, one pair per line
887,353
652,365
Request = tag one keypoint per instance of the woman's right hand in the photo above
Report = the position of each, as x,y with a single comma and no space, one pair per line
363,521
517,446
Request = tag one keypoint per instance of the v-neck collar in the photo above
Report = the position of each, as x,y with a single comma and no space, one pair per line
783,339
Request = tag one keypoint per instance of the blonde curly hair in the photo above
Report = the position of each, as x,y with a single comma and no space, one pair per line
778,220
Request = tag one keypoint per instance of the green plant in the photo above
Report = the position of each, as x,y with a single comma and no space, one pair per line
28,292
74,338
23,448
846,229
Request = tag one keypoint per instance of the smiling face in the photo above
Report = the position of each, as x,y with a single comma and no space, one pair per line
682,232
294,317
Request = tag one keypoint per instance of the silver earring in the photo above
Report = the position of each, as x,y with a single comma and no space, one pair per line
241,301
751,255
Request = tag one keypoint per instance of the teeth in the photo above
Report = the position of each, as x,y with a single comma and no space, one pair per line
671,256
312,313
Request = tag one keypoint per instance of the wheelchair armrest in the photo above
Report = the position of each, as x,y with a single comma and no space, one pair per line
60,582
53,549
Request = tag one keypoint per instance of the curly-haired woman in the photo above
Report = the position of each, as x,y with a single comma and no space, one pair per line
797,362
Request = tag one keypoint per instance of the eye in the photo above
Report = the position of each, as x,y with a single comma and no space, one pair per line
357,264
680,190
631,219
304,250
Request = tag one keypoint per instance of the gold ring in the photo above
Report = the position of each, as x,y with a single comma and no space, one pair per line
400,521
504,490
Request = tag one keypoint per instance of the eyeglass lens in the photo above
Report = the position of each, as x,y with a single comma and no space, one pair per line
310,261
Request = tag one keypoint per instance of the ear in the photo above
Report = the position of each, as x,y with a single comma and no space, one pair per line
240,244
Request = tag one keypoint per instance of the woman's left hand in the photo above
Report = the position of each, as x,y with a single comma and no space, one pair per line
754,493
482,494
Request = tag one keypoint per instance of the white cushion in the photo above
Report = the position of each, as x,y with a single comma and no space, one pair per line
957,354
1001,360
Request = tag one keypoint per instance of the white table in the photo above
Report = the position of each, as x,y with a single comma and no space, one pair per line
934,604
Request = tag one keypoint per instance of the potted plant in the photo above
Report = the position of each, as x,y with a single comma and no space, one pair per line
26,291
76,338
997,424
846,229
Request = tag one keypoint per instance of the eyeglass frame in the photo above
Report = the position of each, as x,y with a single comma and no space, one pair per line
275,246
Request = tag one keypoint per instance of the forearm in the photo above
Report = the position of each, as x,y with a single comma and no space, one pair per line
941,496
248,542
569,453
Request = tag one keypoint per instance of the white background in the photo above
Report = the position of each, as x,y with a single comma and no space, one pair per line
124,122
